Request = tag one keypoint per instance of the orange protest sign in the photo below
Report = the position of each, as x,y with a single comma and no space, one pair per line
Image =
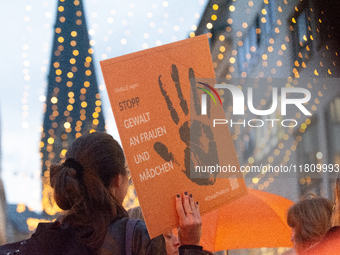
164,135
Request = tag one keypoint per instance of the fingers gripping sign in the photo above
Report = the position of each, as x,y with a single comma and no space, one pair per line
200,147
190,223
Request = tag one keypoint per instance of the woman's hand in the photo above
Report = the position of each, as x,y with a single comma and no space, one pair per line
190,224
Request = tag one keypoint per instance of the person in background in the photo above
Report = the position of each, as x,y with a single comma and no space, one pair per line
330,243
171,240
310,220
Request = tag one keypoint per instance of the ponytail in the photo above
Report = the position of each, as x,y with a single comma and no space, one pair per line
81,186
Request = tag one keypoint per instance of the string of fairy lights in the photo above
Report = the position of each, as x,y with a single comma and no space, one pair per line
251,160
209,25
290,82
290,130
26,57
26,64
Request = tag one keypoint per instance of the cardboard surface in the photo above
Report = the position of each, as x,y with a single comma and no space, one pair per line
151,100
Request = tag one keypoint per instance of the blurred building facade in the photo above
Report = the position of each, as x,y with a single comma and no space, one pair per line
3,224
274,43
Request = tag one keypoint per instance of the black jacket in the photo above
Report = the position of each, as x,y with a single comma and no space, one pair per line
60,239
114,242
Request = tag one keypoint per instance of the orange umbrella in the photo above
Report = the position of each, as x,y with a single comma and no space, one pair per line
255,220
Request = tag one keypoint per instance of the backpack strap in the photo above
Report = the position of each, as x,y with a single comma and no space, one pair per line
130,226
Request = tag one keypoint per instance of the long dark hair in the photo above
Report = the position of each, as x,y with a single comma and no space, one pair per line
81,185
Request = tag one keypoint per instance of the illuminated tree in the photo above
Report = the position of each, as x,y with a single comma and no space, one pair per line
73,105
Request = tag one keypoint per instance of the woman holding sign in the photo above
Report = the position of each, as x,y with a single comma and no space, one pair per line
90,186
